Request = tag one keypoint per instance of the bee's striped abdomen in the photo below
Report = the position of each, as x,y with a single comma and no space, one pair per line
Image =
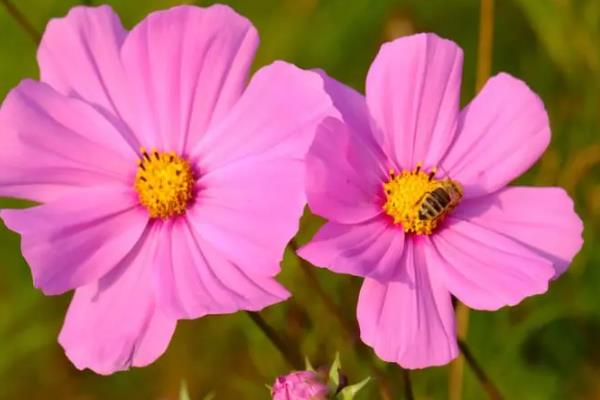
434,204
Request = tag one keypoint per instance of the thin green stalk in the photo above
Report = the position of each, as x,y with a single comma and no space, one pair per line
348,327
484,66
457,367
22,20
408,392
488,386
289,353
486,36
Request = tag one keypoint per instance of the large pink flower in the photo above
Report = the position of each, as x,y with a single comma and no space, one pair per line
168,188
419,234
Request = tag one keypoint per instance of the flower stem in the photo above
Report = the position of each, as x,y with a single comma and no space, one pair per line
484,50
290,354
348,327
455,379
22,20
484,66
488,386
408,392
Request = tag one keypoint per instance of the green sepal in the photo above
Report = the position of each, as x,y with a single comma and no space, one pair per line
308,366
334,373
349,392
210,396
184,394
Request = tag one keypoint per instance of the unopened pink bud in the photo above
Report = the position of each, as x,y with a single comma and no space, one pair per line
299,385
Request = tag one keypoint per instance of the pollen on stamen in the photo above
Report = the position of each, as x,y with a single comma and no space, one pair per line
419,202
164,183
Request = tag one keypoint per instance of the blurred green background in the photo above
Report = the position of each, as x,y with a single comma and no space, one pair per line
545,348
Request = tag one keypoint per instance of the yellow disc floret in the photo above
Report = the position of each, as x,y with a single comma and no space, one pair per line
417,201
164,183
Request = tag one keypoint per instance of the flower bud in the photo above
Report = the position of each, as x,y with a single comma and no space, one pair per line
299,385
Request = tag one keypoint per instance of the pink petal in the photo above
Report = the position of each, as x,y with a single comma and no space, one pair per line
276,117
250,210
541,219
345,165
195,278
76,240
351,107
186,66
409,322
413,92
371,249
79,56
486,270
501,134
114,323
52,144
344,177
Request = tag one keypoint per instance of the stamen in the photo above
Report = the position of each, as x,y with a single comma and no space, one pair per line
417,201
164,183
432,173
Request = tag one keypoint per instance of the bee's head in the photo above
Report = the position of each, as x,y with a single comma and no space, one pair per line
454,190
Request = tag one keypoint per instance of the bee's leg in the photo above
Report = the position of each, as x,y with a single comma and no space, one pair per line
418,168
432,173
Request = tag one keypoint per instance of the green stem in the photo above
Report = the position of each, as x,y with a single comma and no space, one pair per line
348,327
484,50
22,20
408,392
289,353
484,66
457,367
483,378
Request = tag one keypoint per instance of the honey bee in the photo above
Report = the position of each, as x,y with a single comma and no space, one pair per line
439,201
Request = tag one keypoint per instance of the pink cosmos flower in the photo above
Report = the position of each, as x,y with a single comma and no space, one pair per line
168,188
415,191
299,385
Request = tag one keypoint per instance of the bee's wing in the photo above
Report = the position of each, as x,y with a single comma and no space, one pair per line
420,199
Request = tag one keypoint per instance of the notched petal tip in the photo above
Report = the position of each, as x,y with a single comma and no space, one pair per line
214,11
520,88
423,333
571,214
317,76
486,269
70,20
413,94
541,218
425,38
501,133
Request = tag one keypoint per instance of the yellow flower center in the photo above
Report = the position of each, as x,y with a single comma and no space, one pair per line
164,183
419,202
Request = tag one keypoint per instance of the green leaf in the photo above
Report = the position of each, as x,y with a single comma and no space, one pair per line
349,392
